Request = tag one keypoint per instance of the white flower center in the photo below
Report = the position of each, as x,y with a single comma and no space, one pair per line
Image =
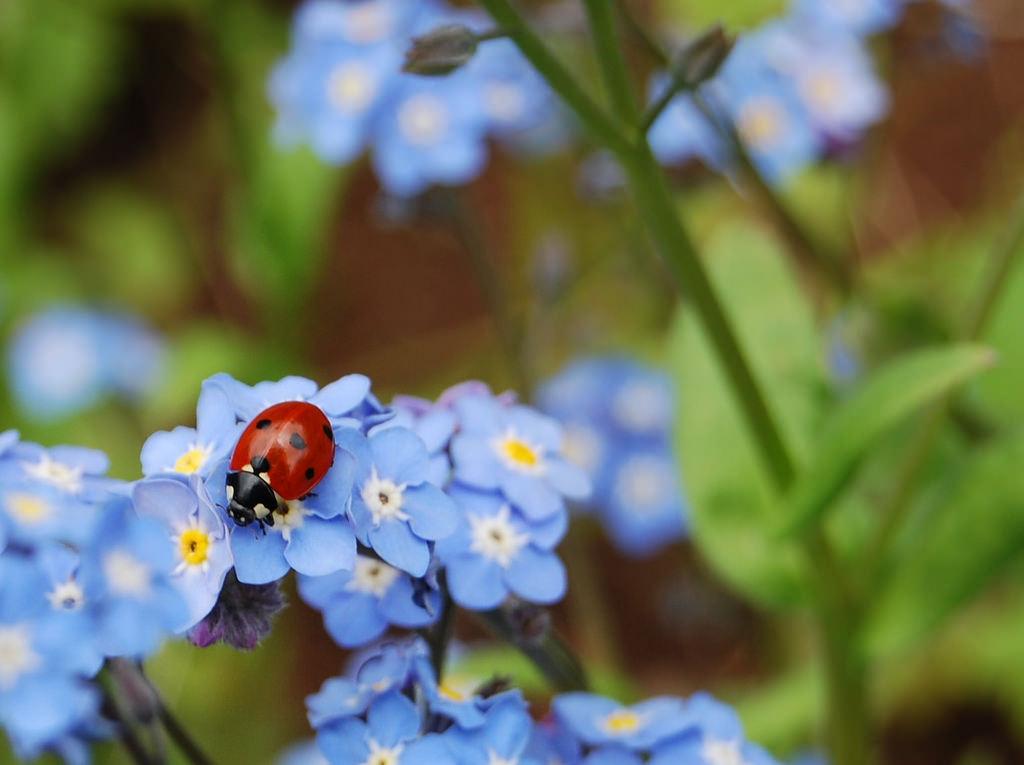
761,123
582,446
384,497
17,657
28,509
644,483
192,459
519,454
495,538
380,755
64,477
351,87
504,101
66,596
423,119
722,752
642,407
289,516
127,575
371,577
369,22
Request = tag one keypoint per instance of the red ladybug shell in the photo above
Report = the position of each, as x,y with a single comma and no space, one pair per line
296,439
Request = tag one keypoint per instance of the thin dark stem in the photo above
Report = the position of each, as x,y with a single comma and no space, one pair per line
180,736
497,33
674,87
440,635
548,652
1004,257
126,735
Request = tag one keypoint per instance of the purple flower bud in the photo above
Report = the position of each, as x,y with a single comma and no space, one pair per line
242,616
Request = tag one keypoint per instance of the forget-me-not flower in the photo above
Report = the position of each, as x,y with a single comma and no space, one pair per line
598,721
717,740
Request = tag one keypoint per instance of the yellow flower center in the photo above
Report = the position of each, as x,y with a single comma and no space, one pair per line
519,453
28,508
195,547
622,722
450,693
191,461
761,123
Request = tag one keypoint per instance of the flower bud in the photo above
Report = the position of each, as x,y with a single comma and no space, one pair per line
441,51
702,57
242,616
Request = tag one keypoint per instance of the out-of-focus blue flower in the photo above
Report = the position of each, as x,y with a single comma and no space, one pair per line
495,552
198,538
618,417
682,133
503,737
432,132
63,360
514,97
8,438
645,505
599,721
311,535
717,739
67,607
518,451
860,17
359,605
73,470
302,753
42,697
203,450
390,734
365,24
125,574
395,509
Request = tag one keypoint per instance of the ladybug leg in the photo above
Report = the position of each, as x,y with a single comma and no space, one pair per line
304,497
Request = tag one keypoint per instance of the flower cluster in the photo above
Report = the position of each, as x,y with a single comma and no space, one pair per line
342,90
795,89
368,715
63,360
84,576
618,417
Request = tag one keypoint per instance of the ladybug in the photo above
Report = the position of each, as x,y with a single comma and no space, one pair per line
282,454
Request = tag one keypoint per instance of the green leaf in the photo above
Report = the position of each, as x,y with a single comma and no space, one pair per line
885,400
975,531
743,14
734,505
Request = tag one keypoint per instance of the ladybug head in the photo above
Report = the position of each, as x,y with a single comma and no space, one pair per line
250,498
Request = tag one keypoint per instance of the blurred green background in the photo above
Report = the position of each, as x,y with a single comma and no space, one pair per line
138,173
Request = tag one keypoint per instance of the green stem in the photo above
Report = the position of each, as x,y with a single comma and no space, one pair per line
610,59
548,652
594,119
1004,256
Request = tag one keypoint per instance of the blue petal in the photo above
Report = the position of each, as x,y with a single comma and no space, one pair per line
399,607
475,461
393,719
259,558
344,742
476,583
532,495
168,500
430,749
568,479
536,576
432,513
399,454
342,396
162,449
354,621
321,546
396,544
318,591
215,418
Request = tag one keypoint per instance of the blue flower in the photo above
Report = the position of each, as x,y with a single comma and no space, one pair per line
395,509
125,575
311,535
495,552
717,739
682,132
42,697
359,605
203,450
347,402
34,512
434,424
503,737
198,539
74,471
862,17
598,721
462,706
66,599
514,97
432,131
363,24
517,450
8,439
63,360
390,734
385,668
302,753
645,509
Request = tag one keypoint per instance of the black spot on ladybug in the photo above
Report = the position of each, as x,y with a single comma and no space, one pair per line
260,464
310,473
329,433
263,424
297,441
